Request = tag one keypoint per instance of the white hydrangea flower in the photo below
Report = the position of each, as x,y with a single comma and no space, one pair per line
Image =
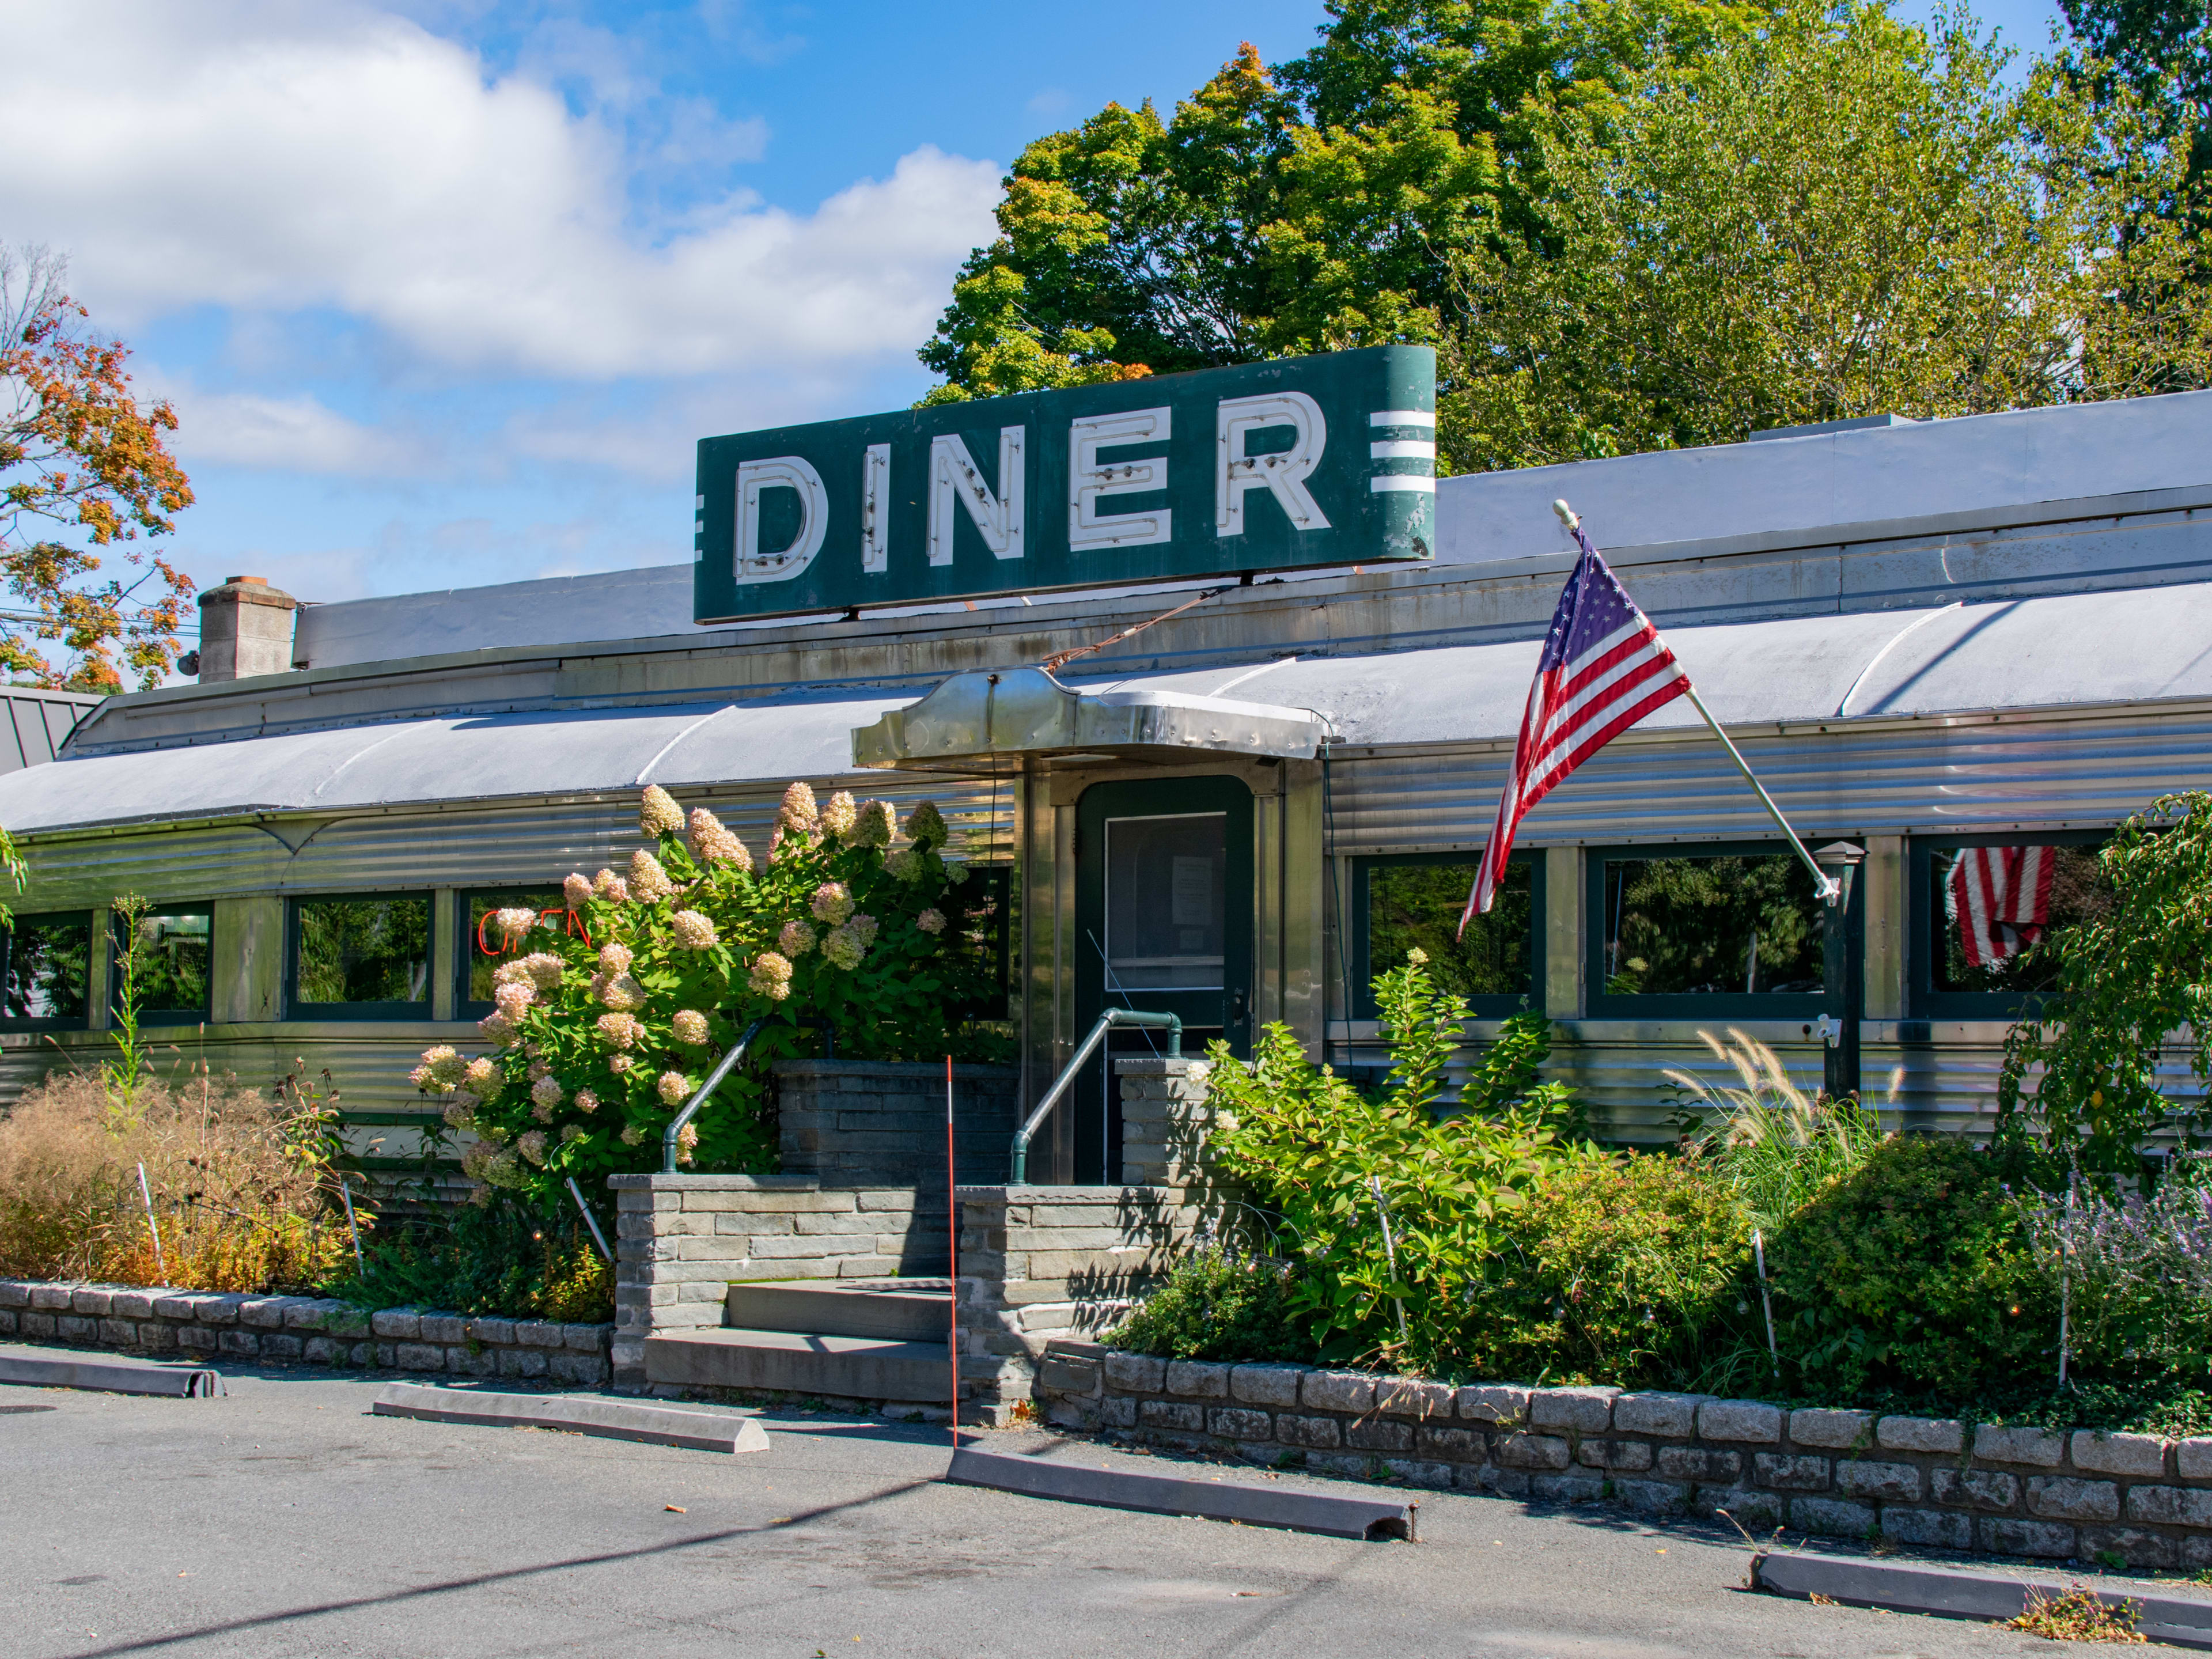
695,931
713,843
877,824
840,815
610,887
925,825
620,1029
586,1100
905,865
544,969
512,998
931,922
510,924
798,814
796,940
658,814
532,1146
615,959
687,1142
844,948
623,994
619,1063
577,889
832,902
548,1091
771,976
691,1026
648,882
673,1086
632,1136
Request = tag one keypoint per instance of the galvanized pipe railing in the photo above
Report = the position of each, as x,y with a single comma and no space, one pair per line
1107,1021
691,1106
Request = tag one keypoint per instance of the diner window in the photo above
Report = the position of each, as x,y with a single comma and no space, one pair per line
1403,902
1706,932
175,944
366,957
48,978
1984,910
983,919
482,947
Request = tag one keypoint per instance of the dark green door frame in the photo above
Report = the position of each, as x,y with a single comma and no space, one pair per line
1226,1013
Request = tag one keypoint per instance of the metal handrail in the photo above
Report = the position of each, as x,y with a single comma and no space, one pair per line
691,1107
1113,1017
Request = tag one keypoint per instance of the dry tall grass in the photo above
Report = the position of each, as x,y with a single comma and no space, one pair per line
239,1185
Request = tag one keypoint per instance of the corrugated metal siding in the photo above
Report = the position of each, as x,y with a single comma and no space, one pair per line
460,846
1956,773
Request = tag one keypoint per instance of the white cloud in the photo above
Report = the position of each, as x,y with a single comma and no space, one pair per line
298,434
252,155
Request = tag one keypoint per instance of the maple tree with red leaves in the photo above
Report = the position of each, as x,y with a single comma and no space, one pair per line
77,450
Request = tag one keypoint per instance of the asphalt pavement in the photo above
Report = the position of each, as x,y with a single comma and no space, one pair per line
283,1519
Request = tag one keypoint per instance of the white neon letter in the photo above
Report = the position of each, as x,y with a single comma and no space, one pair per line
1283,473
875,508
1088,481
779,472
953,477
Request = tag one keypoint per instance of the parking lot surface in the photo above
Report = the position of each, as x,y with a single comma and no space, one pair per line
284,1520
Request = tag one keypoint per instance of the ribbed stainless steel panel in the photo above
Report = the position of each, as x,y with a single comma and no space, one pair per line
1954,773
467,845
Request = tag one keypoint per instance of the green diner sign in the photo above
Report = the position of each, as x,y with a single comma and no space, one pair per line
1303,461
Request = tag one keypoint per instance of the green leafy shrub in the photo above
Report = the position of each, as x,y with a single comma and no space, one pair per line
1632,1272
494,1259
1913,1273
2130,978
624,1000
1215,1306
1333,1161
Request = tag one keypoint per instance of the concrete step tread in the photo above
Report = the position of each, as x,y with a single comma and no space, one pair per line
807,1342
894,1310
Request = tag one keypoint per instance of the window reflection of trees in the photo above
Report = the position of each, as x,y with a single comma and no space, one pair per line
49,968
172,962
363,951
1412,906
1746,924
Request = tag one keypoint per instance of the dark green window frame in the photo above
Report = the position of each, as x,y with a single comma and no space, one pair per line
1925,1000
50,918
148,1013
1364,968
1675,1005
295,1009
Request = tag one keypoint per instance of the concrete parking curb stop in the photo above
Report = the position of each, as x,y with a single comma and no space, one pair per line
612,1419
1294,1509
110,1376
1953,1592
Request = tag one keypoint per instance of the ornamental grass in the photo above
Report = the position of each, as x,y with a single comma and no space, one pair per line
240,1185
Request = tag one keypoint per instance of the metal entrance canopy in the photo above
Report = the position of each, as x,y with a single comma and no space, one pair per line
987,721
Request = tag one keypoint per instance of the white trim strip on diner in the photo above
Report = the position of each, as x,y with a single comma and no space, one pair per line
1389,482
1404,449
1403,417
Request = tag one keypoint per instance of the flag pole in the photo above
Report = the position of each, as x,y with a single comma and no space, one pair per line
1825,885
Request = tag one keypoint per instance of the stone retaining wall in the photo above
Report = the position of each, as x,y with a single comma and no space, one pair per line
299,1330
1929,1482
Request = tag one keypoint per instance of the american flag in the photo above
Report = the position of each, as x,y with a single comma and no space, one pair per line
1604,668
2001,897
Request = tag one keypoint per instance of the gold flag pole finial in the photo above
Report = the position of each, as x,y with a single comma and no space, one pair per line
1566,515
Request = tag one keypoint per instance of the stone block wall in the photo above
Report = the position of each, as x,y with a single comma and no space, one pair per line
1166,1122
299,1330
867,1123
682,1241
1930,1482
1036,1262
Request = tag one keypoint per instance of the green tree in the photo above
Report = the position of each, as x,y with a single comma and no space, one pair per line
1841,217
1304,209
76,451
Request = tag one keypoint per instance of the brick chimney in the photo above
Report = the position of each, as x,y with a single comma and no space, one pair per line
246,629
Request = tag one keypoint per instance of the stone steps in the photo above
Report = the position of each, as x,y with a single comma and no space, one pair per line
893,1309
802,1362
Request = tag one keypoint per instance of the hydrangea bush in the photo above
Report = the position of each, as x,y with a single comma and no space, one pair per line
610,1014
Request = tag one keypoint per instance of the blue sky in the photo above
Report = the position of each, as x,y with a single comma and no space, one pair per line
444,292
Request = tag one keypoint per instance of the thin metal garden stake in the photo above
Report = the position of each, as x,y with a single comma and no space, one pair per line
1759,1256
152,1227
2065,1273
952,1242
591,1221
1389,1251
352,1227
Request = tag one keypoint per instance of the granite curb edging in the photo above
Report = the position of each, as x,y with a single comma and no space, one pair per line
1932,1483
299,1330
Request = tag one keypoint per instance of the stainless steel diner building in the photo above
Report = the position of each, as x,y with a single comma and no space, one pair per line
1942,646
